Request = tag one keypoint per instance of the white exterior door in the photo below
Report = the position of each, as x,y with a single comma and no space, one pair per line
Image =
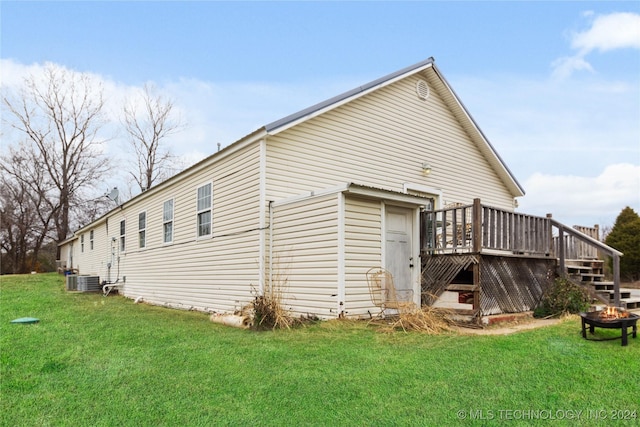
398,248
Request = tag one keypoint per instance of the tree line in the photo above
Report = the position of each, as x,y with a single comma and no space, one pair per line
54,165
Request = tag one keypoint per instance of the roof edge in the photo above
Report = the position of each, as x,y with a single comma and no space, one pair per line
273,126
480,132
194,168
356,190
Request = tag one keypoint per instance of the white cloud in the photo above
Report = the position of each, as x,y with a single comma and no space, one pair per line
557,136
110,141
213,113
593,119
584,200
565,66
12,73
614,31
620,30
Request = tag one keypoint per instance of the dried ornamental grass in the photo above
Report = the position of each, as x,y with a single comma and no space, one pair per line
428,320
268,313
268,309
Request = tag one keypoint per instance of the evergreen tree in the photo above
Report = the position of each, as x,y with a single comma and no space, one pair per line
625,237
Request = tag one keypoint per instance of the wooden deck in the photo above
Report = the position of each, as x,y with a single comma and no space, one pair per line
499,261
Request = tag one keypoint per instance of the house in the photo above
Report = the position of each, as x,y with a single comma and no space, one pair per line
310,203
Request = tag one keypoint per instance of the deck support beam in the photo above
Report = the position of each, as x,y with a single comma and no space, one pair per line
616,280
476,226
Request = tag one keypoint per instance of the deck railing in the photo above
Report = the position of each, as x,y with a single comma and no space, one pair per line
515,232
568,234
447,230
574,248
477,228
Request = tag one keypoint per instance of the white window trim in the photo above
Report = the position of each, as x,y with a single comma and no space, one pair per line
172,221
438,193
91,236
123,236
415,243
198,212
82,243
140,230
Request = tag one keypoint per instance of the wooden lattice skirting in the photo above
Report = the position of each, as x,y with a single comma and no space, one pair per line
439,270
506,284
513,285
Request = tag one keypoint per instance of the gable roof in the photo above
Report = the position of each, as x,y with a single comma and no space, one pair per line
334,102
450,98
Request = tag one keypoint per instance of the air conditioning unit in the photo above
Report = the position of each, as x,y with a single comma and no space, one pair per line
89,284
72,282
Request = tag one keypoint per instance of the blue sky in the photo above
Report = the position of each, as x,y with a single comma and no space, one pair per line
555,86
133,42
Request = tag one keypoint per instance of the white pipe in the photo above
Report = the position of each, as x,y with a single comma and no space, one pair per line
234,320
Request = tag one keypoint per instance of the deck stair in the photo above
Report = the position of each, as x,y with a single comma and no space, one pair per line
590,273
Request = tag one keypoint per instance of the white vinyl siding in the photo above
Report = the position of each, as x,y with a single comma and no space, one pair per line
167,221
363,249
94,258
305,256
381,140
217,273
65,250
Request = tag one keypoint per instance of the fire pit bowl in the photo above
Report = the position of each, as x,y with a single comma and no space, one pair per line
610,318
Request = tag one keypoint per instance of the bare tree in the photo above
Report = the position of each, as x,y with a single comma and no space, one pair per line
16,215
60,115
147,125
25,211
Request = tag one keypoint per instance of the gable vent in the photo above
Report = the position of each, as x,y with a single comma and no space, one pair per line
422,89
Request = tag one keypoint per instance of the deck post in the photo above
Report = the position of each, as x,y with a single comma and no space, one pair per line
616,280
550,247
476,286
477,248
477,226
563,272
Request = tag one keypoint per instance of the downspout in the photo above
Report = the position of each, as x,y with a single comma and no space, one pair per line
271,229
262,266
341,294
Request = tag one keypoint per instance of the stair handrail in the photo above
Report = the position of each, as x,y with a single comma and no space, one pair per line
614,253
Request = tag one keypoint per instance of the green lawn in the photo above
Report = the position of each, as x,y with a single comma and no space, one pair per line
95,361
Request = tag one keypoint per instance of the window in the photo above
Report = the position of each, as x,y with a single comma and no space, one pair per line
82,243
122,236
167,221
91,240
142,229
204,210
